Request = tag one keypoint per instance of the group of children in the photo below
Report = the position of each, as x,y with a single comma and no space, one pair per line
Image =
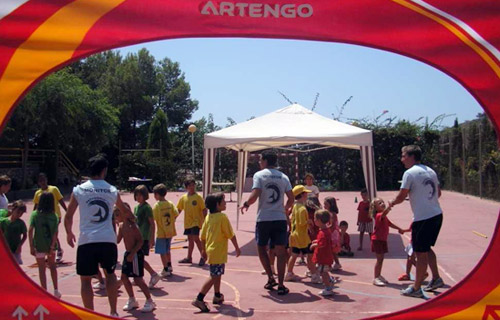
315,234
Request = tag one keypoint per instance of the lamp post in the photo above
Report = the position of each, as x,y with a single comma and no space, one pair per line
192,128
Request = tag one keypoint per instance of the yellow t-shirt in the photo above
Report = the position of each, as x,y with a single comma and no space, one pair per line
193,206
165,213
215,232
57,196
299,238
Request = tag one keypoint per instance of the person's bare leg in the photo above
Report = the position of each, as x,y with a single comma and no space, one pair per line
41,272
148,268
360,247
112,290
86,292
291,262
207,285
336,258
421,269
378,265
141,284
128,286
311,265
164,260
264,260
53,269
190,247
281,255
197,241
432,262
217,281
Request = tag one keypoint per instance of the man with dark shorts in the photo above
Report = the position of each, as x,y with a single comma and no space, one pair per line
97,239
421,184
269,186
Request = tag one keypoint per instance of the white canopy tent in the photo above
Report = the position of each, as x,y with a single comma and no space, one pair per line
284,127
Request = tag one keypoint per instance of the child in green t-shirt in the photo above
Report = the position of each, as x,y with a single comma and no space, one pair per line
14,229
144,214
42,239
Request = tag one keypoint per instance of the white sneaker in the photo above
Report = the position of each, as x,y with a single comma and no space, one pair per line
131,304
308,274
57,294
290,276
114,314
164,273
326,292
148,306
378,282
336,266
383,279
315,278
99,286
154,280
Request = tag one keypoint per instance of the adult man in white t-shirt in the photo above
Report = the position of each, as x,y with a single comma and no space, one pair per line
269,186
421,184
97,240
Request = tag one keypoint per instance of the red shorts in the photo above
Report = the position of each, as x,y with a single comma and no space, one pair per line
379,246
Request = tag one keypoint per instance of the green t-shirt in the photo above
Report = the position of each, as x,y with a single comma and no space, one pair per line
12,230
4,213
143,212
45,225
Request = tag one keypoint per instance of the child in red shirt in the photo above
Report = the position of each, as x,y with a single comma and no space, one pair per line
379,236
323,255
345,240
365,222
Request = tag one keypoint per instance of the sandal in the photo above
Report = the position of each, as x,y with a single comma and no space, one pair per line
271,283
282,291
404,277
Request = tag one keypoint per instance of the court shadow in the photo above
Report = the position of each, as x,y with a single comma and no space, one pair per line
175,278
158,292
137,314
292,297
343,272
231,311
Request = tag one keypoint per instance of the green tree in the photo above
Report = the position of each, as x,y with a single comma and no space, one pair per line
158,133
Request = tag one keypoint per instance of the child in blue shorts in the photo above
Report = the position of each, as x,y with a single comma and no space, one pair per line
215,232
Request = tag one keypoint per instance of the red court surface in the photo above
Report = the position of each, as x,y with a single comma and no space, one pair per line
459,248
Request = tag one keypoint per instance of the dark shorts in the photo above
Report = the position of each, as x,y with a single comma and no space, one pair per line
217,269
145,247
272,233
134,269
89,256
194,231
306,250
424,233
379,246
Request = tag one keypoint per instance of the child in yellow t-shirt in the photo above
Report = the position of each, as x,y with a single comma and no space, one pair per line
58,200
214,234
164,213
194,207
299,238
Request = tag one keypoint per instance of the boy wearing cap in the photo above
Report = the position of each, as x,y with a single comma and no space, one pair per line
299,237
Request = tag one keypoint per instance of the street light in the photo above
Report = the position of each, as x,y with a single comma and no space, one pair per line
192,128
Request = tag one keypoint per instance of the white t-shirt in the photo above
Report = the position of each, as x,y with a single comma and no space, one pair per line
96,199
314,190
423,184
4,202
273,184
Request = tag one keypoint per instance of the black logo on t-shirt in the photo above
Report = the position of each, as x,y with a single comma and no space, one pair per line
432,192
103,210
194,203
273,192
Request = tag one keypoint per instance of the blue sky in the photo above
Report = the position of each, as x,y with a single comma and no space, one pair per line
240,78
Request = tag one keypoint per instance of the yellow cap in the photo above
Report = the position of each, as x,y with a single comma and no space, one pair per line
298,189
